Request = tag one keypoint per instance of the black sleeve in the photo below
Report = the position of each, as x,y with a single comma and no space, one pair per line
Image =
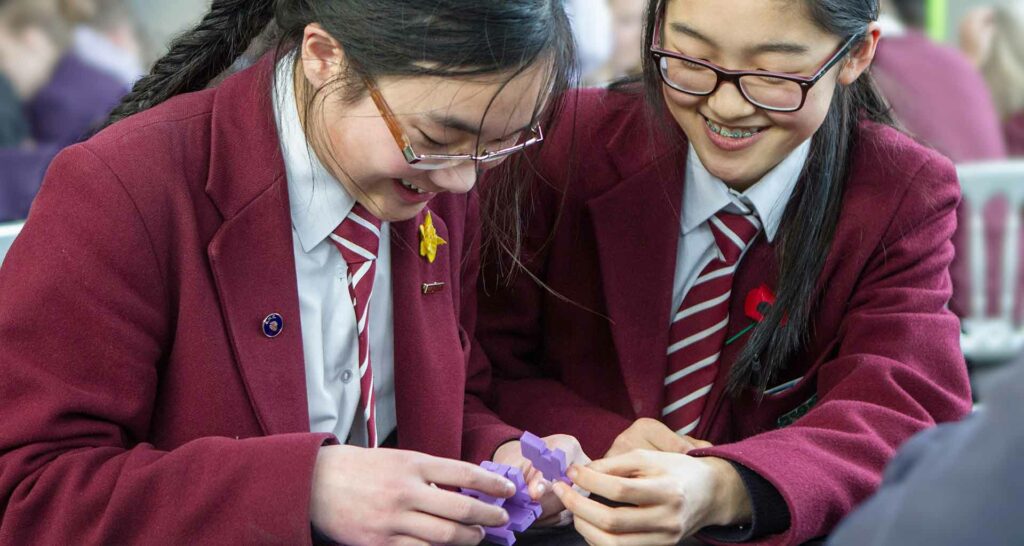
770,512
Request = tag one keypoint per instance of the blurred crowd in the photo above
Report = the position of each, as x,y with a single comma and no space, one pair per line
65,63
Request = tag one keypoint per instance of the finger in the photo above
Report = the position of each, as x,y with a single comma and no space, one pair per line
538,486
459,474
624,444
406,541
635,463
458,508
638,491
434,530
599,537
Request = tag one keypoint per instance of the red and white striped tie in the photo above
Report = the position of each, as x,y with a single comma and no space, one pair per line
358,240
698,330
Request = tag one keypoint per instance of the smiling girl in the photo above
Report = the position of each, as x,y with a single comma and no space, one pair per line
745,279
223,305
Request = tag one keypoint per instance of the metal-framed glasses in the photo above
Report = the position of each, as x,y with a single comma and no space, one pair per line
534,135
773,91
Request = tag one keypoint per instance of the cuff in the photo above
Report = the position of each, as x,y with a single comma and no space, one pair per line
770,512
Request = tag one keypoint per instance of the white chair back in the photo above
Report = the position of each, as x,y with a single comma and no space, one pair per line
7,234
989,339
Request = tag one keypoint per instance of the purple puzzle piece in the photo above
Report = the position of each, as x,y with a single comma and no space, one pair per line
522,510
550,463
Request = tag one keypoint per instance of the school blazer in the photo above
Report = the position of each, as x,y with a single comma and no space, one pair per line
587,355
141,401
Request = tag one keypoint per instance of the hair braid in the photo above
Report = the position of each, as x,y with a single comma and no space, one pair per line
198,56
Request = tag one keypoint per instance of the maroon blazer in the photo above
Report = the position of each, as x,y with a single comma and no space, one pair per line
883,361
141,401
1013,128
939,97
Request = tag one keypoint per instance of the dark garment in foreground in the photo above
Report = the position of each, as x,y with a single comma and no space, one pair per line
957,484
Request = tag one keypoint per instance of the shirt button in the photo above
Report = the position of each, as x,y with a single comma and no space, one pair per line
346,376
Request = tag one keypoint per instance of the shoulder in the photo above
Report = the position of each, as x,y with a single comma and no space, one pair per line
897,181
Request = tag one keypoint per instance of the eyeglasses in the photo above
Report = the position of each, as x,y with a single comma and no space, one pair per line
771,91
431,162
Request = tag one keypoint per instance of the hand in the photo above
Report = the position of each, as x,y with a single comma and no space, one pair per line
386,496
511,454
651,434
672,496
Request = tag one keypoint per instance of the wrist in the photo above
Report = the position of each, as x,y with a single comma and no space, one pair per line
731,504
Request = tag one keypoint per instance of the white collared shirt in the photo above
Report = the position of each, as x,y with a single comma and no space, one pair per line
704,195
330,341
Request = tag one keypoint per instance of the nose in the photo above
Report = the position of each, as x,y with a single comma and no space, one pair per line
729,103
459,178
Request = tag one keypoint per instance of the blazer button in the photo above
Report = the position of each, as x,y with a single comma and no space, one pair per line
346,376
272,325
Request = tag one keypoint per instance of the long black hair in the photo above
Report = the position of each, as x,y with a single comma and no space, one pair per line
447,38
805,236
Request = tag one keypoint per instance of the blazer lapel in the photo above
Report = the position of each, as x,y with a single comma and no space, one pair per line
636,225
429,363
251,255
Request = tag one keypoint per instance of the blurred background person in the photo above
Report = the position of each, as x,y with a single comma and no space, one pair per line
627,49
108,37
934,90
61,98
592,25
994,38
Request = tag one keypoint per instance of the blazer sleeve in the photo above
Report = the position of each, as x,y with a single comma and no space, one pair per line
897,368
526,392
483,430
85,322
959,483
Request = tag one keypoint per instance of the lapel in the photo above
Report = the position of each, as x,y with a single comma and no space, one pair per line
429,361
251,255
636,226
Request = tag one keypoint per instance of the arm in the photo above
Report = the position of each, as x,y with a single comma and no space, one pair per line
527,391
85,320
897,369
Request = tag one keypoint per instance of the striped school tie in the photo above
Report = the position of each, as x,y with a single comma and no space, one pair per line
358,240
697,334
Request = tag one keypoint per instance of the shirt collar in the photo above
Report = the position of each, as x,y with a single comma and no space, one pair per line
319,202
705,194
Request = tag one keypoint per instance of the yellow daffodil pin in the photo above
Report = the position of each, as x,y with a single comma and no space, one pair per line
429,241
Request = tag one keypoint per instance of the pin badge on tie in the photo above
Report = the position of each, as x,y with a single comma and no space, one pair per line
429,240
433,288
272,325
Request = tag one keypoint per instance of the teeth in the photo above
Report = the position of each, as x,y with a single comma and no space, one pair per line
411,187
728,133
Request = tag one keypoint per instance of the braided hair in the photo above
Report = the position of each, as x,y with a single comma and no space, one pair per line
198,56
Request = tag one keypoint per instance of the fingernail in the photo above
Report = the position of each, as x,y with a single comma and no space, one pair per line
571,473
510,487
541,489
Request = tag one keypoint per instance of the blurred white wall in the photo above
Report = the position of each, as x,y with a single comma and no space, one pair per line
162,20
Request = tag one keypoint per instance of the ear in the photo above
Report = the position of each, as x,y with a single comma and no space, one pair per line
323,58
861,56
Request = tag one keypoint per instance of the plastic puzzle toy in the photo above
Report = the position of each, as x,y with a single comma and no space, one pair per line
550,463
522,510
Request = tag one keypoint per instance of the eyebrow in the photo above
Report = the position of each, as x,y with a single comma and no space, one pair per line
786,48
466,127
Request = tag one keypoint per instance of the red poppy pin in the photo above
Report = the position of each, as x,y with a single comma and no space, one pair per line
759,301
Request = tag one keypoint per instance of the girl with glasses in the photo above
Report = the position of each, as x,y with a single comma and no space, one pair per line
736,281
227,306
